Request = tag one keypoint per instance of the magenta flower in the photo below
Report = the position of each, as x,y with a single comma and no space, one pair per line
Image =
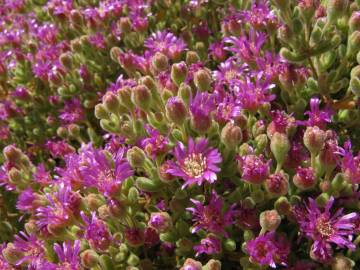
281,122
268,250
201,107
166,43
209,245
228,72
260,16
32,250
96,232
217,50
247,48
211,217
98,41
155,144
72,112
350,164
62,206
59,148
254,169
26,200
41,176
104,174
227,110
324,228
195,164
318,117
253,92
68,255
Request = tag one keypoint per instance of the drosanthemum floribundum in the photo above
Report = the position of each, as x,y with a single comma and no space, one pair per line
196,163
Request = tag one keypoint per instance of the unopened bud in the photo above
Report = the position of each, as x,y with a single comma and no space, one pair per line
280,147
66,60
74,130
277,184
160,221
76,17
164,175
353,45
134,236
141,97
12,154
354,22
136,157
176,110
11,254
269,220
314,139
89,258
335,9
115,53
178,73
212,265
282,205
340,262
202,80
111,102
304,178
100,112
185,93
93,201
160,62
231,135
191,264
192,57
124,25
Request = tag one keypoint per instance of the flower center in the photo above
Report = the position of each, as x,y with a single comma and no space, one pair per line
324,227
194,165
229,75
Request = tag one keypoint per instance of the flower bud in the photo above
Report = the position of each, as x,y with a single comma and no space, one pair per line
115,53
340,262
353,45
160,62
124,25
354,22
202,80
11,254
335,9
231,135
201,122
191,264
141,97
176,110
124,95
269,220
277,184
282,205
136,157
12,154
192,58
314,139
160,221
111,102
304,178
93,201
100,112
66,60
280,147
133,259
134,236
212,265
178,73
76,17
89,258
148,185
164,176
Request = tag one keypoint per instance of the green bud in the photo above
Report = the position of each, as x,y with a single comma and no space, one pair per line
76,18
11,254
202,80
74,130
282,205
89,258
141,97
124,25
12,154
270,220
230,244
94,201
160,62
62,132
148,185
354,22
279,146
178,73
185,93
133,260
291,56
353,46
106,263
249,203
340,262
212,265
133,195
111,102
136,157
66,60
335,9
125,97
192,57
248,235
100,112
322,199
338,182
185,245
169,237
314,139
231,135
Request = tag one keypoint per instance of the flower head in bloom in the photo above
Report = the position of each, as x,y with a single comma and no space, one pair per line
254,169
98,41
209,245
227,110
201,107
41,176
166,43
253,92
72,112
281,122
195,163
318,117
247,48
59,148
260,16
156,143
97,232
31,248
325,228
350,164
26,200
217,50
68,255
62,206
103,173
268,249
211,217
228,71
